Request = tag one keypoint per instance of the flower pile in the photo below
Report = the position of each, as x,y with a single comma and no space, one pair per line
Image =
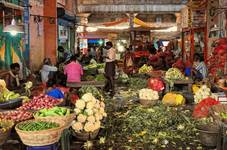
89,113
148,94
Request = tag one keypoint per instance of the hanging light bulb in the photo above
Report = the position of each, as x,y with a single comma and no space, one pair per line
13,28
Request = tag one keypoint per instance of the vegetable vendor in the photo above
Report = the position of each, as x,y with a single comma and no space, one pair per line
110,68
73,70
199,69
128,62
47,70
52,91
13,80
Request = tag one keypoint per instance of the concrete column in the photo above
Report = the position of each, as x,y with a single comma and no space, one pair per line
50,30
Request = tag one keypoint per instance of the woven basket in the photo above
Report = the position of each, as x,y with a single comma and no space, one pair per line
4,134
84,136
147,103
66,119
216,110
40,138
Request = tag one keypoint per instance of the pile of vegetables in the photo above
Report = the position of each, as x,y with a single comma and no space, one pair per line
158,127
145,69
40,102
16,116
8,95
123,77
202,93
90,89
137,83
89,113
148,94
37,125
156,84
100,77
5,125
174,74
201,110
55,111
173,99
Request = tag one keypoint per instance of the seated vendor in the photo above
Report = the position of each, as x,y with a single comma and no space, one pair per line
199,69
52,91
12,80
73,70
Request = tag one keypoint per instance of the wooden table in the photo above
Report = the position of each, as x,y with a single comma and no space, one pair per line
98,84
188,83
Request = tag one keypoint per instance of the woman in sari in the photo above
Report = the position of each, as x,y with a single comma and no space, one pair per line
128,62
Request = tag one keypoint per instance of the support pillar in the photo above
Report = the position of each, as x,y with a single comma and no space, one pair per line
50,30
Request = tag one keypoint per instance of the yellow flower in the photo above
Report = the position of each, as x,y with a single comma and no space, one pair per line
91,119
81,118
77,126
80,104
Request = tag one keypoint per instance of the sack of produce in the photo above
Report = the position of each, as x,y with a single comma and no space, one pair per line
89,114
39,133
173,99
5,129
156,84
56,113
148,97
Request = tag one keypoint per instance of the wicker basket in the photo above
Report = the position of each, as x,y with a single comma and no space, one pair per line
66,119
84,136
40,138
4,134
147,103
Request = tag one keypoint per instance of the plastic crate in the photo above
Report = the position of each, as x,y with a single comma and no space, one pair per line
48,147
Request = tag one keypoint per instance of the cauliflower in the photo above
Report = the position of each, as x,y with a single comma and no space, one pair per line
202,93
89,127
104,114
81,118
90,105
77,110
80,104
89,112
102,104
88,97
148,94
97,125
78,126
91,119
101,110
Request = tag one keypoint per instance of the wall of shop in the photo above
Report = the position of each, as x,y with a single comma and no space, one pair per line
36,36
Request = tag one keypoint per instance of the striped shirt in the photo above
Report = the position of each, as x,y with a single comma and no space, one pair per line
201,68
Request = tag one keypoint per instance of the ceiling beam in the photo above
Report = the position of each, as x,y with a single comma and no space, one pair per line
129,8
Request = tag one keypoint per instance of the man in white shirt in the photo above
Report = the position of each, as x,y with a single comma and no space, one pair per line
47,69
110,68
